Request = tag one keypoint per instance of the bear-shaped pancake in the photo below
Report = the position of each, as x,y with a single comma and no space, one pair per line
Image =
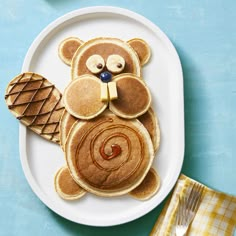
103,121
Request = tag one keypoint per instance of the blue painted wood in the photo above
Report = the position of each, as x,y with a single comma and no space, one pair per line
204,34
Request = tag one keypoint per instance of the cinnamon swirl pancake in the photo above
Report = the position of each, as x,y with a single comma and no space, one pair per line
109,156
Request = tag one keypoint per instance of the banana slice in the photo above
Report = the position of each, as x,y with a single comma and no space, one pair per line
104,92
95,63
115,63
112,90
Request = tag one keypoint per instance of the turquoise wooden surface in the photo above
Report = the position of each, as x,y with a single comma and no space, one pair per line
204,34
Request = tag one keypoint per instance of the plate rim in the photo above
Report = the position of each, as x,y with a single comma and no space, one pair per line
23,130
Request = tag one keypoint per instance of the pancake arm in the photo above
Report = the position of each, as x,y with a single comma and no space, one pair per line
37,103
151,123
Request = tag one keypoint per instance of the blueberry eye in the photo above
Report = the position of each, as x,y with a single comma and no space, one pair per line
95,63
115,63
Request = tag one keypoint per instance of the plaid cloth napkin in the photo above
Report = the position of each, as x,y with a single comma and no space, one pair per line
216,214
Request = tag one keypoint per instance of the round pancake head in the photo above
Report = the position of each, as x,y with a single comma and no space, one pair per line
110,50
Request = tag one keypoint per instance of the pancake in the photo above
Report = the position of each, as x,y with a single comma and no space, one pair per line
82,97
66,187
67,49
134,98
118,152
142,49
104,47
150,122
36,103
148,188
66,123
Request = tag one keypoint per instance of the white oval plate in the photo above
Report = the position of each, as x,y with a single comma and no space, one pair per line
41,159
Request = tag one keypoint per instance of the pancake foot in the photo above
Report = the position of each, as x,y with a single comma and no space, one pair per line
148,187
66,187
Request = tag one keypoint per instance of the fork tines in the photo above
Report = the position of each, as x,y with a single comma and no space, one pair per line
187,209
194,197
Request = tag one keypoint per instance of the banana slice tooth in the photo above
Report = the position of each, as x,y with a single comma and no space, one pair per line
115,63
104,92
112,90
95,63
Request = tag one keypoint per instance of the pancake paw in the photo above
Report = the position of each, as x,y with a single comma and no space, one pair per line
66,187
148,188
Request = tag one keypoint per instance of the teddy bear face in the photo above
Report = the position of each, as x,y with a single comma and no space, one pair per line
106,72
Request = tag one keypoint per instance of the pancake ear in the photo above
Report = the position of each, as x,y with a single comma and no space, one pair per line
141,48
67,49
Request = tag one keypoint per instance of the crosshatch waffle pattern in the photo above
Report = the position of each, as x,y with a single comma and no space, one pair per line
36,103
216,215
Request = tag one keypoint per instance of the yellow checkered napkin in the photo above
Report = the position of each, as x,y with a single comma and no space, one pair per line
216,214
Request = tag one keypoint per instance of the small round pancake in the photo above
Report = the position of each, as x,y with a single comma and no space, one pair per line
67,49
82,97
66,187
148,188
142,49
105,47
134,98
66,123
150,122
119,154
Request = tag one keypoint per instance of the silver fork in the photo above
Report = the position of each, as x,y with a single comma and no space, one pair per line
188,206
